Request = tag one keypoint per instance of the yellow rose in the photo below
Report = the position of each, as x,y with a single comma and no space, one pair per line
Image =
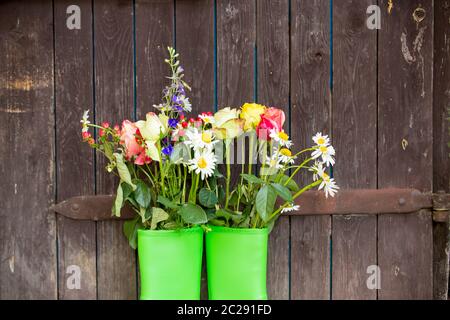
225,115
229,130
152,128
251,113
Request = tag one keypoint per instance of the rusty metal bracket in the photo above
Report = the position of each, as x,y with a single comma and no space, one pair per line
351,201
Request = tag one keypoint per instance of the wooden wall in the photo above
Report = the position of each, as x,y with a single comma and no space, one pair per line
381,94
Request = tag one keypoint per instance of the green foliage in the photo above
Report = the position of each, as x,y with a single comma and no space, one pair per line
265,201
194,214
207,198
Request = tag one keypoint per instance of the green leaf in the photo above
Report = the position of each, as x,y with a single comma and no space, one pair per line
229,214
130,228
251,178
119,201
158,215
142,194
191,213
148,213
292,185
207,198
167,203
108,150
142,213
181,152
265,202
283,192
122,168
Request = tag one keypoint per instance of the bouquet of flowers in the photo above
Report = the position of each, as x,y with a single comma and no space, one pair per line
168,164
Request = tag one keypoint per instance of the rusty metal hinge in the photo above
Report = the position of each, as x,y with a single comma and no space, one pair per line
346,202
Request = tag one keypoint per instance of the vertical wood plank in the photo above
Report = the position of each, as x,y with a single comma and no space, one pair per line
441,138
236,41
154,33
405,250
75,171
195,44
273,90
154,27
354,122
113,40
310,113
27,229
236,37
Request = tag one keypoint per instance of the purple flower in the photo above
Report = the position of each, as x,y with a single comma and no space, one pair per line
173,123
178,108
168,150
176,99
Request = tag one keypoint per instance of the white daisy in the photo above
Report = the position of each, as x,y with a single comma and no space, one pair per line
273,162
290,207
199,140
280,137
318,170
207,118
321,140
203,163
285,156
84,121
327,153
328,185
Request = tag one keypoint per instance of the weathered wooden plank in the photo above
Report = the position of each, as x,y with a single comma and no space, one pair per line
273,90
354,115
405,250
154,33
27,229
195,44
441,163
236,41
310,104
74,94
154,26
310,258
113,40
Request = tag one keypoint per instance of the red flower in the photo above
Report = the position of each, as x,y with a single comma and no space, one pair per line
272,119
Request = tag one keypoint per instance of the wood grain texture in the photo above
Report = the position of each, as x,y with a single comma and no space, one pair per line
74,94
154,33
236,41
113,40
354,119
27,228
404,146
310,113
441,138
195,44
272,41
310,258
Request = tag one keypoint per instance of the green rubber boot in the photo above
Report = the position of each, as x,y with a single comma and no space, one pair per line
170,263
236,262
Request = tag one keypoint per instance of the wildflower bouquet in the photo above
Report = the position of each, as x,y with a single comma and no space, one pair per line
168,169
148,158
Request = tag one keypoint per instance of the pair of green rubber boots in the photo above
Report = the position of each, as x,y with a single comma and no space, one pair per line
170,263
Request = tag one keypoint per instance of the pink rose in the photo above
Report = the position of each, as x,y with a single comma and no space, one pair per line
272,119
128,139
142,158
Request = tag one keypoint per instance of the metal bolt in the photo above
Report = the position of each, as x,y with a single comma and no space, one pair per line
75,207
401,201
